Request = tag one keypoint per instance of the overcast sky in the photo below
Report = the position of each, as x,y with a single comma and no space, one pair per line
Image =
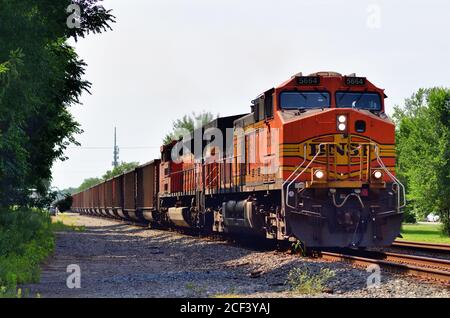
166,58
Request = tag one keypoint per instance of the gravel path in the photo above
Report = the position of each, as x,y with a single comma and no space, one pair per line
121,260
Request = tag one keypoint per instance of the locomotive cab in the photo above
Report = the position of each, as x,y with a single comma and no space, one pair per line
337,161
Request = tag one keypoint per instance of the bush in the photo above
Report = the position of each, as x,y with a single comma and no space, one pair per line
65,204
409,215
302,280
26,239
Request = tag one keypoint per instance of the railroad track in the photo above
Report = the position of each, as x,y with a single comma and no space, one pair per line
428,247
435,269
424,267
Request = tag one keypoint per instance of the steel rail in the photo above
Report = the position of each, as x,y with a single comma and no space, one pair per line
415,260
429,247
397,266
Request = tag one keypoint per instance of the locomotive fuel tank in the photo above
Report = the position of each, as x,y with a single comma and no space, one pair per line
180,216
242,216
148,216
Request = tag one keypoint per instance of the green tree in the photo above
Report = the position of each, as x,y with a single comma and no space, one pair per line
65,203
87,183
41,76
423,146
187,124
123,167
69,190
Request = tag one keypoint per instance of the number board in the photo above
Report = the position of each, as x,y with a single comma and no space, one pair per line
308,80
352,81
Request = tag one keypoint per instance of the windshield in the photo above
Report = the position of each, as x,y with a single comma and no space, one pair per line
294,100
369,101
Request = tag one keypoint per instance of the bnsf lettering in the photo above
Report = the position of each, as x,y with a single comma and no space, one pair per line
342,149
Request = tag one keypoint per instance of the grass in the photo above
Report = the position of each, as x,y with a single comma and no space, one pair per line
303,281
430,233
26,239
65,222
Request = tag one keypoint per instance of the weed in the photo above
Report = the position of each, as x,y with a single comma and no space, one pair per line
298,247
302,280
196,291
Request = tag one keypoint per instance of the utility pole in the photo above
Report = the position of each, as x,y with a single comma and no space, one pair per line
115,163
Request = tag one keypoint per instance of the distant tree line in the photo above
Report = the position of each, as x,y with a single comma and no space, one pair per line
423,149
120,169
41,76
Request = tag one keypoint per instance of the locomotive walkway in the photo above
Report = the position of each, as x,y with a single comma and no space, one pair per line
120,260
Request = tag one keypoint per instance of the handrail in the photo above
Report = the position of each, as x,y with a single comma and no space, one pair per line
396,181
216,163
298,167
303,171
400,186
208,177
285,199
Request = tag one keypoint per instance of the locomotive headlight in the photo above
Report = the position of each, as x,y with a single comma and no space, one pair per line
319,174
341,122
377,174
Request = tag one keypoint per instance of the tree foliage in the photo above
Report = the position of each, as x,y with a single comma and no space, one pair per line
65,203
120,169
69,190
187,124
123,167
423,146
88,183
41,76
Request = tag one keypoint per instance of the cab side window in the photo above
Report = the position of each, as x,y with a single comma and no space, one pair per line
263,106
268,105
261,110
258,109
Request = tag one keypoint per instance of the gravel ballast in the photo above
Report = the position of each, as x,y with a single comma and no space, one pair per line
122,260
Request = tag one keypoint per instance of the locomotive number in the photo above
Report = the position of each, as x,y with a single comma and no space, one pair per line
355,81
308,80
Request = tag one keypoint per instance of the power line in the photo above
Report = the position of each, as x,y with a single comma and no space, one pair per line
109,148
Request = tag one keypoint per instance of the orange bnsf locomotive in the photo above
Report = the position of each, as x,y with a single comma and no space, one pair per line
313,160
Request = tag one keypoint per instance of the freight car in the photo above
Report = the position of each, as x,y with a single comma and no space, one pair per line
314,160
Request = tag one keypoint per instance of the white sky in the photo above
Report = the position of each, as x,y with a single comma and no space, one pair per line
166,58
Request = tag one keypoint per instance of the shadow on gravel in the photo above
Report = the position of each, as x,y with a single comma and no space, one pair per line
119,260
